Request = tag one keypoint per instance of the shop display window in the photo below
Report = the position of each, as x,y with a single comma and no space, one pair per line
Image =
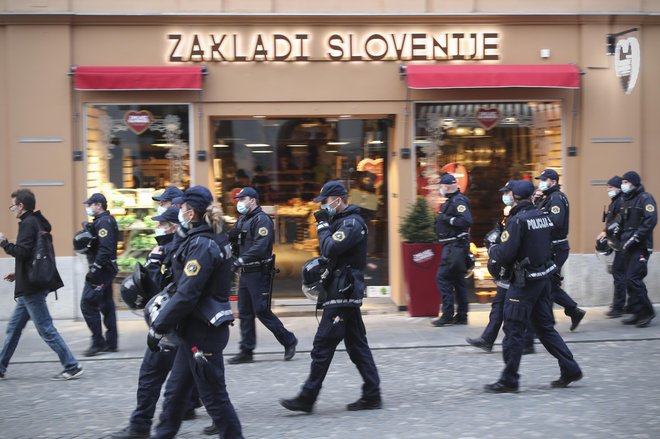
484,144
287,160
133,151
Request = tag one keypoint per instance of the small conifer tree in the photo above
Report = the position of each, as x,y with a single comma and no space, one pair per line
419,223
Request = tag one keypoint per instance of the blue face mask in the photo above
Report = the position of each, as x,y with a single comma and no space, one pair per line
184,223
507,200
626,187
331,210
544,185
242,207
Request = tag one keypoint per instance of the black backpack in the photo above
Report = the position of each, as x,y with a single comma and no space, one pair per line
42,268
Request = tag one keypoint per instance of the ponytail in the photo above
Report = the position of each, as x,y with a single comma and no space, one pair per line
213,217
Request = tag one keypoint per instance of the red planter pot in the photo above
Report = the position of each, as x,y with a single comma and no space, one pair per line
420,264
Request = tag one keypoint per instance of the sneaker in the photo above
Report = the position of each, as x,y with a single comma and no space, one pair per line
70,374
365,404
241,357
290,350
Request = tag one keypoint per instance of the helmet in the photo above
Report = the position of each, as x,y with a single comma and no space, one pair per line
314,273
82,242
498,271
603,246
155,305
136,289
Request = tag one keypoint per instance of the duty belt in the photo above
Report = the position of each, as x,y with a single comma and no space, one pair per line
253,267
453,238
559,241
541,274
343,302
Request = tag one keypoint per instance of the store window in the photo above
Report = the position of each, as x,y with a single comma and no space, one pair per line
133,151
287,160
484,144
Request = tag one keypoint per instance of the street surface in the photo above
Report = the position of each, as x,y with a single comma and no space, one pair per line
431,382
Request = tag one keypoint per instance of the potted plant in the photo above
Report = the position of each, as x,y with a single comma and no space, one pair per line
421,257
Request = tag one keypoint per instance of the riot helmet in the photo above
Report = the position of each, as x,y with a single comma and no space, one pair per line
136,289
155,305
314,273
83,242
603,246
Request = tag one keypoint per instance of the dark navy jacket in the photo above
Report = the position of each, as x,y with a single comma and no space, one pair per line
344,242
104,253
454,219
159,265
613,209
257,236
527,234
201,268
555,204
640,215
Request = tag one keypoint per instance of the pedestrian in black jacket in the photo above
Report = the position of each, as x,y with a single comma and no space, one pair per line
30,299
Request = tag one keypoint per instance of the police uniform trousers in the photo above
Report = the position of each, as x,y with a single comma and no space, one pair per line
619,275
337,324
96,302
636,261
208,377
496,318
253,296
559,296
153,373
450,280
533,304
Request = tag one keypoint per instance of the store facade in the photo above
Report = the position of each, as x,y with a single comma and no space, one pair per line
284,101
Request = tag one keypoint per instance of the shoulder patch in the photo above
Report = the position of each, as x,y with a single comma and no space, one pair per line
338,236
163,269
461,208
555,210
505,236
103,233
650,208
192,268
263,231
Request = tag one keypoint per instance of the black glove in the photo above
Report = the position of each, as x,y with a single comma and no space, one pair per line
153,340
630,242
93,276
322,216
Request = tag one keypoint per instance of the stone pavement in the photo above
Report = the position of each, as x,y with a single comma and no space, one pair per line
431,381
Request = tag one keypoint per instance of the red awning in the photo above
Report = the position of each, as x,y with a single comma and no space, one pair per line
116,78
493,76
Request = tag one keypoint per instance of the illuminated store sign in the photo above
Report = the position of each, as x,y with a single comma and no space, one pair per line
279,47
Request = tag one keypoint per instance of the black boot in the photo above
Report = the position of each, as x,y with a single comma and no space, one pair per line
297,404
480,343
129,433
290,351
365,404
241,357
211,430
443,321
576,316
499,387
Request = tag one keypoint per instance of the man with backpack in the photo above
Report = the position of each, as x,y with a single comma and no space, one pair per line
30,295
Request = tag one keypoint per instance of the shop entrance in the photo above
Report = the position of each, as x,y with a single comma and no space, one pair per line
287,160
485,144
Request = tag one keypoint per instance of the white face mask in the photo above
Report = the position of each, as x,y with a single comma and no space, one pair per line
90,211
626,187
612,193
544,185
242,207
161,210
182,220
160,232
507,200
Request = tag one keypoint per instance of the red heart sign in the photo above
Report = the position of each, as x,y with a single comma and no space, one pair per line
487,117
138,121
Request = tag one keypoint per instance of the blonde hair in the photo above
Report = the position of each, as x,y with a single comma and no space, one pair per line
213,217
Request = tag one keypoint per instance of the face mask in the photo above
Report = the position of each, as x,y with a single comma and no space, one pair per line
612,193
90,211
160,232
161,210
544,185
507,200
443,192
182,220
331,210
242,208
626,187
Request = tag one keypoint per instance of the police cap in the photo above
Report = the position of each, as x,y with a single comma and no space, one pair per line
615,181
632,177
548,173
96,198
519,188
247,192
332,188
197,197
447,179
169,194
171,215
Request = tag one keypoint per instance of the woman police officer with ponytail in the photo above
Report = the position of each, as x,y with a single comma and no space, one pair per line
201,313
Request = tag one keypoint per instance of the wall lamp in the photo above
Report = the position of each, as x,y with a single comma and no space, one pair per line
611,40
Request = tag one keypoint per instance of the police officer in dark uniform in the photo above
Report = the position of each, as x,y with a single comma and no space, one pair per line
97,297
156,365
554,203
253,236
452,226
200,312
611,219
525,248
640,217
165,199
343,240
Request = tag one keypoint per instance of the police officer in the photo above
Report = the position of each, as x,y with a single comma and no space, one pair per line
452,226
611,219
156,365
554,203
200,312
97,297
343,240
525,248
253,236
639,219
165,199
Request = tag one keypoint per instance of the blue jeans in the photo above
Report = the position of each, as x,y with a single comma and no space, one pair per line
34,307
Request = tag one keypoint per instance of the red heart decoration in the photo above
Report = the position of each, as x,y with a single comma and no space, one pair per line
138,121
487,117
